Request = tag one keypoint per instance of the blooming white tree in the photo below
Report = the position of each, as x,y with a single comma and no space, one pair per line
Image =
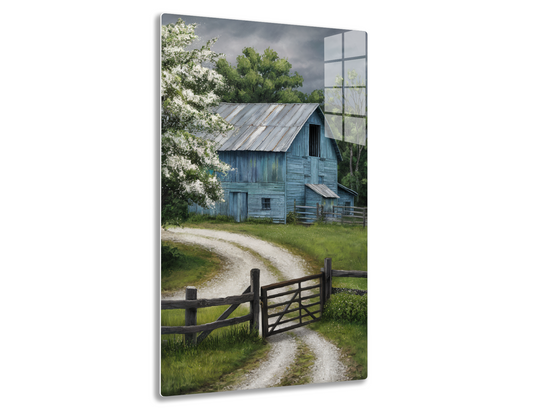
188,90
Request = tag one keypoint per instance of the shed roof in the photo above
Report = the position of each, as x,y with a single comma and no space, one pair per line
263,127
350,191
323,190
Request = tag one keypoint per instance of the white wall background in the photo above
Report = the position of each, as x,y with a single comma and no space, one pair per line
450,90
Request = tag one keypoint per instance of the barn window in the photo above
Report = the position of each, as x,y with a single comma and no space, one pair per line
265,203
314,140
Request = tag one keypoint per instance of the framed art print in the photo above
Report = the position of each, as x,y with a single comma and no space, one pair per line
264,212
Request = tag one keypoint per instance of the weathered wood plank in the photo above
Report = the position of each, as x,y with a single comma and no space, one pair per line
284,310
348,273
289,292
223,316
168,330
285,329
264,313
316,295
201,303
190,314
290,282
254,304
327,278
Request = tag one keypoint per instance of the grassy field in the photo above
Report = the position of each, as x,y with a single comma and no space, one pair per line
351,338
345,245
215,362
186,369
196,266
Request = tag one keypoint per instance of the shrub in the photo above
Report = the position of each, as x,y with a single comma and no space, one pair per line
292,218
170,256
348,308
198,218
174,211
257,220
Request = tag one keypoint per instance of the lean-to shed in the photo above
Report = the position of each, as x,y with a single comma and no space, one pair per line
281,155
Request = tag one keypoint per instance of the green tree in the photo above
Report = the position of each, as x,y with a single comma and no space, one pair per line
352,172
263,78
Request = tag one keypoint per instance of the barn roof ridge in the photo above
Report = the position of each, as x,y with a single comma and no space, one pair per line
270,127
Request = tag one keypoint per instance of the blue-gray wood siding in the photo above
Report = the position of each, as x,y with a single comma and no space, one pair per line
345,197
254,166
279,176
303,169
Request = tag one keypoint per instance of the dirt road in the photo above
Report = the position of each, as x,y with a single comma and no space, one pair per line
242,253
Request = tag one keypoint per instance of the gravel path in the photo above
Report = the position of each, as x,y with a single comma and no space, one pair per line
235,277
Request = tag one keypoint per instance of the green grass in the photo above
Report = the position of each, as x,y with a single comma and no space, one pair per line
196,266
192,369
346,245
300,372
218,362
176,317
206,366
351,338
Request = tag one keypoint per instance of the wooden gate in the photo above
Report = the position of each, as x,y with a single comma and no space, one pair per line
281,312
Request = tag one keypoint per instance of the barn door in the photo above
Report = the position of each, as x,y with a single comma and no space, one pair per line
239,206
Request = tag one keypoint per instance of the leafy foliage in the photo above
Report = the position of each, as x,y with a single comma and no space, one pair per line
345,307
358,179
258,220
292,218
351,135
174,211
198,218
170,256
263,78
189,88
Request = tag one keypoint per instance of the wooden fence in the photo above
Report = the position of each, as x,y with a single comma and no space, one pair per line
330,273
191,304
195,333
308,215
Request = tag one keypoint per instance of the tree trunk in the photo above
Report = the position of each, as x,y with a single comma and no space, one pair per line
359,150
351,157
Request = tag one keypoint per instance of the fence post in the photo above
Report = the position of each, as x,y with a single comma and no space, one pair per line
190,314
364,217
264,313
327,279
254,304
317,211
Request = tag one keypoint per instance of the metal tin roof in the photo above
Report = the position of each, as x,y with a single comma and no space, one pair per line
323,190
350,191
261,127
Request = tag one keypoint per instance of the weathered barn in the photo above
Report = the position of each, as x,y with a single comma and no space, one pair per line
280,154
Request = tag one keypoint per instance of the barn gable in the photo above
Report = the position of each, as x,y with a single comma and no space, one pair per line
275,150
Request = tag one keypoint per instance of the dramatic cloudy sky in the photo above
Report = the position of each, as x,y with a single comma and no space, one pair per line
302,46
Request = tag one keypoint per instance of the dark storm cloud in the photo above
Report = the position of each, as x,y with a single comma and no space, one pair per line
302,46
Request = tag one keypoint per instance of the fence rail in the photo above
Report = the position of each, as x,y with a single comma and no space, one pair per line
259,297
330,273
308,215
191,304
